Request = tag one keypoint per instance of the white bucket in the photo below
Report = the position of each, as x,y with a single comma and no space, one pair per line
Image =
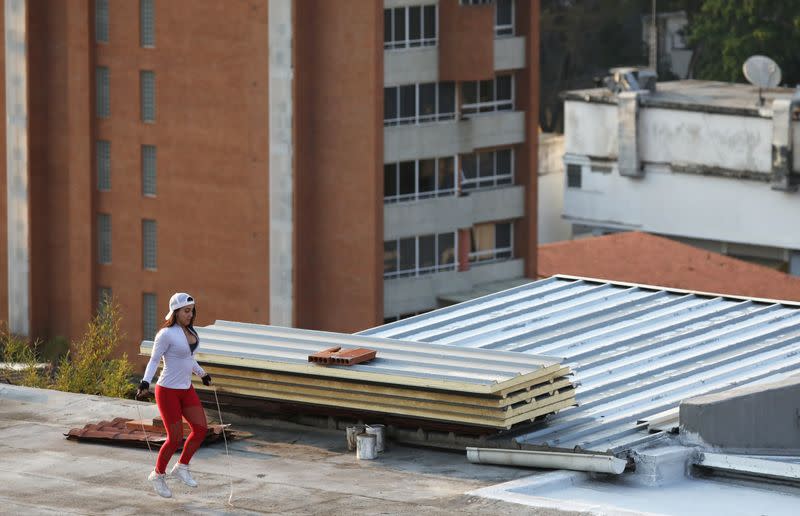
365,447
352,432
379,431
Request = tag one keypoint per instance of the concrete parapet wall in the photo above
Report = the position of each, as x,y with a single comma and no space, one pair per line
762,418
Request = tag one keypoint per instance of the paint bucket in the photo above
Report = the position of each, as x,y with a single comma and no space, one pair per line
352,432
379,431
366,447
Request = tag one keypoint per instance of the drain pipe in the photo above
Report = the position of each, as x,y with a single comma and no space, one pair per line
548,460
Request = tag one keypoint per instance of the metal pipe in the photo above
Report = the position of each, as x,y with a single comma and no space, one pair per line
548,460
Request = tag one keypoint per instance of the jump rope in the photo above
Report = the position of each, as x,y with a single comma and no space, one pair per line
224,437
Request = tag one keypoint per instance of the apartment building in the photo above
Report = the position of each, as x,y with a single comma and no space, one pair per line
270,157
707,163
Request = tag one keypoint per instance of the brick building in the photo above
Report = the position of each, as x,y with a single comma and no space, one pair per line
272,158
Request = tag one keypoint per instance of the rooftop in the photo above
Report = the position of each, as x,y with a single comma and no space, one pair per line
694,95
636,257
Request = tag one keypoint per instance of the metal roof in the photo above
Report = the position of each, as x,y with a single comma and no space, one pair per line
636,350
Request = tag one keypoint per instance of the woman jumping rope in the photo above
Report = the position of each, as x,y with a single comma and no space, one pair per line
176,398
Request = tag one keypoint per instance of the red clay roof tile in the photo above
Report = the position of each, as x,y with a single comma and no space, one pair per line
637,257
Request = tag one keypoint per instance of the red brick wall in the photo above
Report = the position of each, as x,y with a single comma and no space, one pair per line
338,164
466,41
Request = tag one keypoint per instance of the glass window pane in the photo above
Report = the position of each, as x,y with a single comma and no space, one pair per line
447,97
414,25
503,235
504,162
503,12
103,163
469,166
408,253
487,91
389,103
390,256
407,184
149,316
148,169
447,251
469,92
427,251
101,20
387,26
390,180
504,87
147,23
407,101
149,244
486,165
445,180
399,25
427,175
427,101
430,21
148,95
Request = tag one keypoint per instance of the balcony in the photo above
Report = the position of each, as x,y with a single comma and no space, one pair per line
409,142
438,215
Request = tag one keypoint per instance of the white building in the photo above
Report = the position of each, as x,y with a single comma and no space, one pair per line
707,163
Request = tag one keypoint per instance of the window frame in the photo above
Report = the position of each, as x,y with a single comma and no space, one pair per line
416,270
495,180
102,158
104,238
417,195
102,91
147,19
496,254
149,255
149,313
145,148
492,106
506,30
101,28
417,118
147,78
407,42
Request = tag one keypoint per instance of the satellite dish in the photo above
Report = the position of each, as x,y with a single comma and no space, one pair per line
762,71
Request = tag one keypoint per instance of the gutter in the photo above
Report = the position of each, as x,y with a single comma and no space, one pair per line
594,463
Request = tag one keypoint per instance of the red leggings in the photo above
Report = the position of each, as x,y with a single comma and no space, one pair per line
173,405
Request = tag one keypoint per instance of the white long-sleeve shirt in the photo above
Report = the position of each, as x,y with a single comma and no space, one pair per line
179,362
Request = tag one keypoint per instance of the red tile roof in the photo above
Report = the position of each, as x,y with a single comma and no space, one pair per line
125,431
636,257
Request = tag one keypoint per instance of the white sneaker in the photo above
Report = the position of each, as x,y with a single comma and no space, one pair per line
182,472
160,484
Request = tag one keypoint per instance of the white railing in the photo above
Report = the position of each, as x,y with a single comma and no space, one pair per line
490,255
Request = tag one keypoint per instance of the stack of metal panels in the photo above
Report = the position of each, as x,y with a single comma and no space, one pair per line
484,388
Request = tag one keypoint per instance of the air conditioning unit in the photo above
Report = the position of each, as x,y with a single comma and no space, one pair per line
631,78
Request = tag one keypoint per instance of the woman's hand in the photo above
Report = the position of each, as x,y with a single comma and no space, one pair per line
143,392
206,379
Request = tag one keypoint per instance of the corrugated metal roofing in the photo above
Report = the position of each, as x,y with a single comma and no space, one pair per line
636,350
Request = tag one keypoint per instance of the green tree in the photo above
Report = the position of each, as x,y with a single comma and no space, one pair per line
725,33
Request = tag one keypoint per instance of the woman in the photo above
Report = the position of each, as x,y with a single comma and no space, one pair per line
176,398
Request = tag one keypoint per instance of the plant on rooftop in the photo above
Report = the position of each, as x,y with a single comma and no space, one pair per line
88,367
20,351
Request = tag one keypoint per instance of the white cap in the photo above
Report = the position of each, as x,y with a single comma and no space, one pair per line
178,301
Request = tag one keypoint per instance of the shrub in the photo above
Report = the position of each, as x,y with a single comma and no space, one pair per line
18,350
88,367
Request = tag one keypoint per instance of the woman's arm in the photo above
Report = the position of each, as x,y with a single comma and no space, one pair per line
160,347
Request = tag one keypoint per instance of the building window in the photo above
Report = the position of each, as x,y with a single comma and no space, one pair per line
103,164
491,242
103,97
419,103
148,316
409,27
149,170
476,2
101,21
487,169
488,96
504,18
418,255
104,296
104,238
574,179
420,179
147,23
149,244
148,92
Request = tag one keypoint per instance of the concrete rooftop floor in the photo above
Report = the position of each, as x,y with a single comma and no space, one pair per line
284,468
